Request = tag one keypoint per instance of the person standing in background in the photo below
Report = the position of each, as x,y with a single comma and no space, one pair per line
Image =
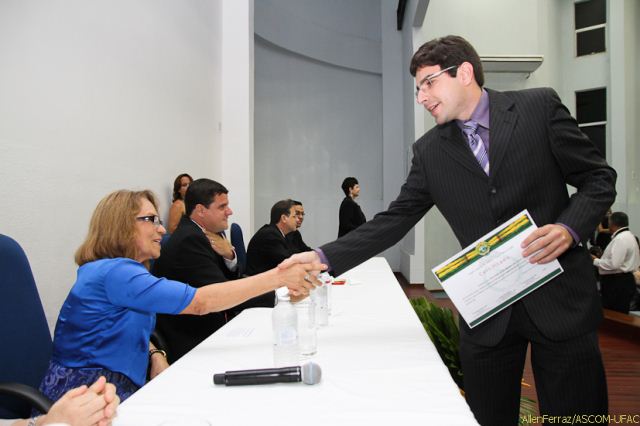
350,215
603,232
177,210
619,261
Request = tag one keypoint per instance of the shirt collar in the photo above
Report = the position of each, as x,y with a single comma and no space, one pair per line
280,230
626,228
198,225
481,113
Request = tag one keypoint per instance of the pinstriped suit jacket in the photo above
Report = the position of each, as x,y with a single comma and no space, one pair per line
535,150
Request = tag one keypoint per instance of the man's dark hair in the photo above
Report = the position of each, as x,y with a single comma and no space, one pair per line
619,219
447,52
348,183
282,207
296,203
202,191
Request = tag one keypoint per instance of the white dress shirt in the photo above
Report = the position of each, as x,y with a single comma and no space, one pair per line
621,255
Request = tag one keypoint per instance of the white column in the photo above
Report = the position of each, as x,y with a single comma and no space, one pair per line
392,112
237,110
412,251
617,98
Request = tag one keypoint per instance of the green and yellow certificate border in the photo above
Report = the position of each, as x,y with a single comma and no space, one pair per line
483,247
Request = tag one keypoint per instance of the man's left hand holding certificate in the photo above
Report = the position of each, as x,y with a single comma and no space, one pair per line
491,274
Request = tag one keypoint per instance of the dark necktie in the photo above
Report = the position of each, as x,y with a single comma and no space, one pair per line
470,129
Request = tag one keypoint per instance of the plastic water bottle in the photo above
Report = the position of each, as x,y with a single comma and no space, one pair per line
328,281
285,331
322,302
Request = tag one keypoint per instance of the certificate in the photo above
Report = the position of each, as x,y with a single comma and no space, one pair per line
491,274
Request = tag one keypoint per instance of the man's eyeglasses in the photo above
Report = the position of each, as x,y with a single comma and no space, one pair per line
428,81
151,219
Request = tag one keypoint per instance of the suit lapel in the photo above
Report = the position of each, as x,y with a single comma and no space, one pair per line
454,144
502,121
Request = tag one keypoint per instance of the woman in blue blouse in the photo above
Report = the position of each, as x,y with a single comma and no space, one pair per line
106,321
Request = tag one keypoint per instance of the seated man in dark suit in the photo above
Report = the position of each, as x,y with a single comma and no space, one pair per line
269,245
294,238
194,256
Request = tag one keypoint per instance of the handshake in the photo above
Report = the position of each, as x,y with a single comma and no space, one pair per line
300,273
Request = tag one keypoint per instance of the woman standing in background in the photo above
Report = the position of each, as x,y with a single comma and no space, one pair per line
177,209
351,215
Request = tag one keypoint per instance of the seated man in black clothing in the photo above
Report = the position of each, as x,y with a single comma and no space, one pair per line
295,238
197,253
269,246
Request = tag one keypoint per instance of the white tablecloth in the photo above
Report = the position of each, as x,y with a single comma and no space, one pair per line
378,367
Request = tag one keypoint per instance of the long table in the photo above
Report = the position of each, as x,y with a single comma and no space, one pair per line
378,367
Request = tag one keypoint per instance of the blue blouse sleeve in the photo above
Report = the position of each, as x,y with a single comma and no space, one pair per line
130,284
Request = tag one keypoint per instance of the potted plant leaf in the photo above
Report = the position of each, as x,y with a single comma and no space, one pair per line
443,329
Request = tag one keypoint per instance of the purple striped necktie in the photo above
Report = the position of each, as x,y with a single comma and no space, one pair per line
470,129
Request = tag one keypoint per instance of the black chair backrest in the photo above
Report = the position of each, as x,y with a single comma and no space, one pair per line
24,333
237,240
164,239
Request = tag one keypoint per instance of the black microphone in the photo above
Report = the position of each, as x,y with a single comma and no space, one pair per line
309,373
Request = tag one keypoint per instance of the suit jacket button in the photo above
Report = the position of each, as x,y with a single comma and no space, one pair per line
493,191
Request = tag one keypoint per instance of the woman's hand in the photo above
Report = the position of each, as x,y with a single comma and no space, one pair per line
85,406
112,400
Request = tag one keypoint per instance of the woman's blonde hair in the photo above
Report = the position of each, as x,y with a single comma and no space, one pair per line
113,226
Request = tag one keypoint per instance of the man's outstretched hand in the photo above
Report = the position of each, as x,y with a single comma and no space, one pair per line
305,257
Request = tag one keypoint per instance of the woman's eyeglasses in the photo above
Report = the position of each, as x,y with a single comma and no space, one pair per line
151,219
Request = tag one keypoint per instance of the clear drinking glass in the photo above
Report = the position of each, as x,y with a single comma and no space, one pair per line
307,330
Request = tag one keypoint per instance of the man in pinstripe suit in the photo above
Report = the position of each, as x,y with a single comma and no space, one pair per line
534,149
